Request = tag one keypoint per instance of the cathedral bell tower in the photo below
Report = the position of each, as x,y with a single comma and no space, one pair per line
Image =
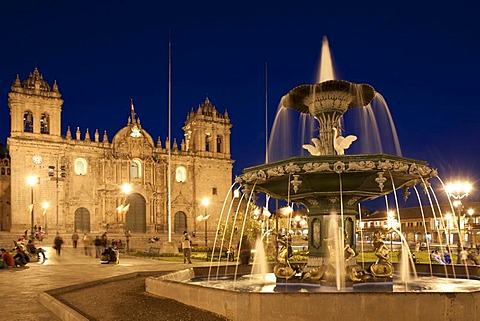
207,131
35,108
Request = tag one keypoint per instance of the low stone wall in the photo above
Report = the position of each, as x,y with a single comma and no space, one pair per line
243,306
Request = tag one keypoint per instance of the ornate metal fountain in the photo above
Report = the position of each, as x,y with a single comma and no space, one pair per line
331,184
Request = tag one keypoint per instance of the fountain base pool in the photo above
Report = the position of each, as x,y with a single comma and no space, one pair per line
423,300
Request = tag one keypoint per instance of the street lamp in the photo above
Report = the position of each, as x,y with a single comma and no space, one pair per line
32,181
45,206
458,190
123,208
448,218
470,212
205,203
391,226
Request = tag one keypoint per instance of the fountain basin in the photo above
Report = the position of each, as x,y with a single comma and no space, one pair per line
363,177
339,305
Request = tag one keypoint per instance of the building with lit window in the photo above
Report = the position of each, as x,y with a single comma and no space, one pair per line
80,173
423,225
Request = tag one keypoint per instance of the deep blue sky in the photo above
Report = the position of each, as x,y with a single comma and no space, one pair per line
423,57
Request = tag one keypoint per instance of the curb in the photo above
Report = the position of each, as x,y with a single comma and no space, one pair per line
62,311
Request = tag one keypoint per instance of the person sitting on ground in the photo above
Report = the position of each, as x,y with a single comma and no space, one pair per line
448,259
7,258
462,256
21,258
109,256
436,258
34,250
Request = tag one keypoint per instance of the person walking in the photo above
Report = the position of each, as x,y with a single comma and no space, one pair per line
127,236
75,239
87,244
186,247
98,246
57,243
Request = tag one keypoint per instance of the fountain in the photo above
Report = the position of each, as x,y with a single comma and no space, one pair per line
330,184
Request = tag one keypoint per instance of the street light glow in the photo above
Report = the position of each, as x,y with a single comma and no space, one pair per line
126,188
32,181
458,189
45,205
205,201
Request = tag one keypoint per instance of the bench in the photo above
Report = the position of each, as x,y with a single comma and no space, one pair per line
216,254
153,251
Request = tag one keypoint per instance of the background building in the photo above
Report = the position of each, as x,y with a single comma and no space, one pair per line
81,173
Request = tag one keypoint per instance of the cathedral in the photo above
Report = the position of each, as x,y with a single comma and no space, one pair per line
83,181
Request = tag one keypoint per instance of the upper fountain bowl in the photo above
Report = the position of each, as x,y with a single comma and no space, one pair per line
328,96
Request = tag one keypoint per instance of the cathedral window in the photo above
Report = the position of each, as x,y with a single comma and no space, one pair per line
45,124
28,122
219,144
135,169
80,166
181,174
207,142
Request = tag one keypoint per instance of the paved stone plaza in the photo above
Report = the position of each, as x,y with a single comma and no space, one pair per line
21,286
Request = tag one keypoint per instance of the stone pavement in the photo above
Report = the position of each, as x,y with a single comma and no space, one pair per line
19,287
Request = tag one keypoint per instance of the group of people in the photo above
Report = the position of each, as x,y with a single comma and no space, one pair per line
244,246
21,254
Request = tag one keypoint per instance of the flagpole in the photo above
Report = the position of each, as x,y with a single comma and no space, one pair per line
169,138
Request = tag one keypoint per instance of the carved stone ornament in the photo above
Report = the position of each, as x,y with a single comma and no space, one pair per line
316,167
339,167
385,166
312,201
353,200
296,183
361,166
380,180
333,200
277,171
316,230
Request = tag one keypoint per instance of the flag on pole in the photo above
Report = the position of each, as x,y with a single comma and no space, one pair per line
132,109
30,209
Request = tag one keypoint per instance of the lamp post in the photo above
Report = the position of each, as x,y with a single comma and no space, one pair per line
390,220
45,206
205,203
470,212
457,191
32,181
126,189
448,218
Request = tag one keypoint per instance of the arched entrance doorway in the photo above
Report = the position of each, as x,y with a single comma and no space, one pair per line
82,220
180,222
136,218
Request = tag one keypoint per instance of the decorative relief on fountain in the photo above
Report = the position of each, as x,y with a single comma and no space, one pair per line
380,180
333,200
385,166
361,166
316,167
400,167
339,167
277,171
312,201
292,168
316,229
296,183
353,200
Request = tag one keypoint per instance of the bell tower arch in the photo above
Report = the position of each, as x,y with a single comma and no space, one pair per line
208,131
35,107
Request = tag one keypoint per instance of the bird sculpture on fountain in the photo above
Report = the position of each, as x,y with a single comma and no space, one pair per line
341,143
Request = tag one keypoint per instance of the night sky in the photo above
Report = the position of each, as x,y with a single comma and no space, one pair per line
422,56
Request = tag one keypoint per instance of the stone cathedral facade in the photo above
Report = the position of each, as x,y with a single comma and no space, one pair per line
81,174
